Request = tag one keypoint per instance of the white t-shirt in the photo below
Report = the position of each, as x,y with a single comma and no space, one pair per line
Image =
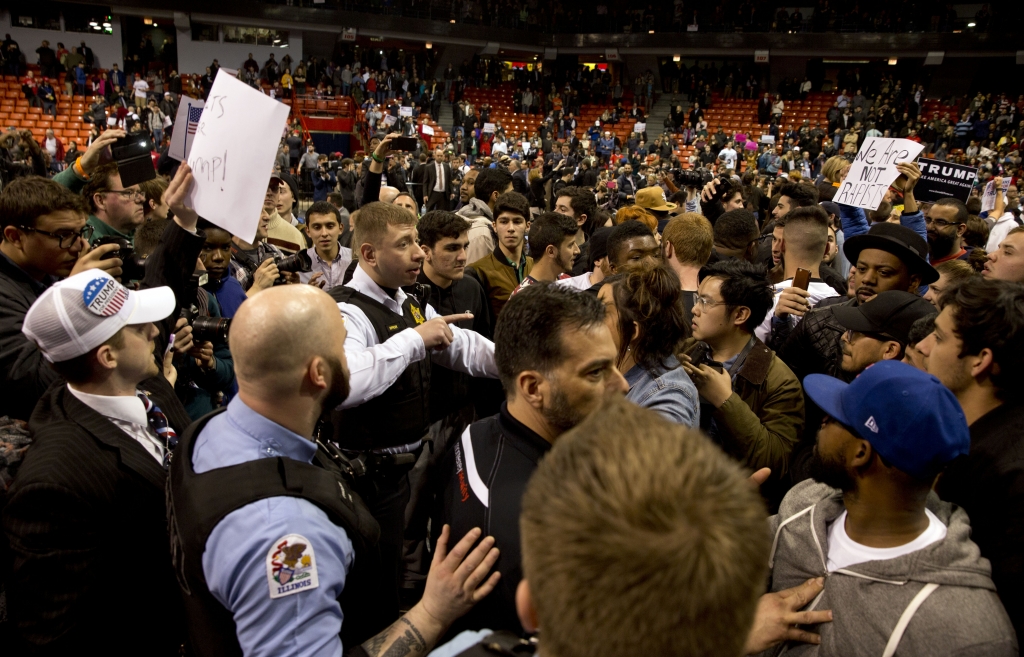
818,292
141,87
581,282
844,552
1000,229
729,155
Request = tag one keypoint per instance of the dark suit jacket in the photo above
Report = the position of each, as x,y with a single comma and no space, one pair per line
430,178
87,527
521,182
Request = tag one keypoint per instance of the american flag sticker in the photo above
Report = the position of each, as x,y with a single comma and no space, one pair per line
194,114
104,296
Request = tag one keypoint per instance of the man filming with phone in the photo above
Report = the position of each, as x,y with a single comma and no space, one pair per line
751,402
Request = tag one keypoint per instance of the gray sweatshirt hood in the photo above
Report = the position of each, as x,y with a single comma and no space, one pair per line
954,561
939,600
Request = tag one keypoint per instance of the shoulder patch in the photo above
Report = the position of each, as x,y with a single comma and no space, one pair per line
291,566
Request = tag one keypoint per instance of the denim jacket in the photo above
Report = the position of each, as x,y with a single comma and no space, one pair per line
671,393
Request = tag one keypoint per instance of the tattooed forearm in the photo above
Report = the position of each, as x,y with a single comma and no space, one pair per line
402,638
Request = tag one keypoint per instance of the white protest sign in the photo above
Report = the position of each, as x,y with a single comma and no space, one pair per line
640,127
874,169
988,199
427,130
526,147
488,127
404,111
185,123
389,120
233,154
986,152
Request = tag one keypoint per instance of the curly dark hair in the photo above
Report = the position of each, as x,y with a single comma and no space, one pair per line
649,296
989,314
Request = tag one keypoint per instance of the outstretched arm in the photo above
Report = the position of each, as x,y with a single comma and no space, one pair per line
456,581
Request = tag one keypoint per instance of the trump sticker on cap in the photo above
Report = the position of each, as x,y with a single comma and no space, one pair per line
104,297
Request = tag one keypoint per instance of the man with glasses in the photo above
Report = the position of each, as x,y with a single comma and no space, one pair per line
751,402
946,223
45,238
115,210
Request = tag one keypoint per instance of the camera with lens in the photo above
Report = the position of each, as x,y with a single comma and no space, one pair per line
692,177
204,328
133,267
294,264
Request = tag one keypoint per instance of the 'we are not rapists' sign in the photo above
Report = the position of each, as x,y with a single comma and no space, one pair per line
874,169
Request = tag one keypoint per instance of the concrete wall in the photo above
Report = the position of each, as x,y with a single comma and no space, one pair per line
195,56
106,48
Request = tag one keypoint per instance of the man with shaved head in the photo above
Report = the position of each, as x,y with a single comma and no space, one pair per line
274,552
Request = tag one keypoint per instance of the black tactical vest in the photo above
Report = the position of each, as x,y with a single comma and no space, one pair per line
401,415
197,502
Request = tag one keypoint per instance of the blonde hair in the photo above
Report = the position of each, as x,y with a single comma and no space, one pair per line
833,167
636,213
372,221
641,537
691,237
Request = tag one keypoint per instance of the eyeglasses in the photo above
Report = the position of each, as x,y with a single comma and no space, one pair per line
940,223
65,238
706,303
133,195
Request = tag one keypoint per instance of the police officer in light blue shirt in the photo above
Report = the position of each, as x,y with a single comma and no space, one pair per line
283,573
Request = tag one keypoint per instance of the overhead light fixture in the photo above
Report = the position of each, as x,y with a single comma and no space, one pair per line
892,62
675,58
93,23
650,31
96,27
970,24
155,25
452,21
106,25
429,45
147,21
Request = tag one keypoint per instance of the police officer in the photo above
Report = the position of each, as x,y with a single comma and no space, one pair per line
275,555
390,334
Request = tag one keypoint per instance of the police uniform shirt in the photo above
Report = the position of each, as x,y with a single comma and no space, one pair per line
374,367
279,564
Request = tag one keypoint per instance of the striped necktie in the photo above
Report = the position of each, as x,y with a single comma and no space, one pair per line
158,423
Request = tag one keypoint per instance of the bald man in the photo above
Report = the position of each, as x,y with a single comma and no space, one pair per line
274,551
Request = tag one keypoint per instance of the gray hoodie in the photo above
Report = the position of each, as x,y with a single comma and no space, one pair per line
481,237
939,600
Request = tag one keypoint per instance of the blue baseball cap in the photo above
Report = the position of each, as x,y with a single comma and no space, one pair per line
908,416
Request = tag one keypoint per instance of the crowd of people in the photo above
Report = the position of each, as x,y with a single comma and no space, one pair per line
508,382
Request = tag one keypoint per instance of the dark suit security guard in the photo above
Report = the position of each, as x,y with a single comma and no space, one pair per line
390,335
274,552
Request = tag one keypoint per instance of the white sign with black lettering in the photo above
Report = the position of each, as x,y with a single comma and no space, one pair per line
874,169
233,154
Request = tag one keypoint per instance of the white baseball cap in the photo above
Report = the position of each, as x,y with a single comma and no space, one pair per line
82,312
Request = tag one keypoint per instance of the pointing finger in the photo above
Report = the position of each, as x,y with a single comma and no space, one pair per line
451,319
